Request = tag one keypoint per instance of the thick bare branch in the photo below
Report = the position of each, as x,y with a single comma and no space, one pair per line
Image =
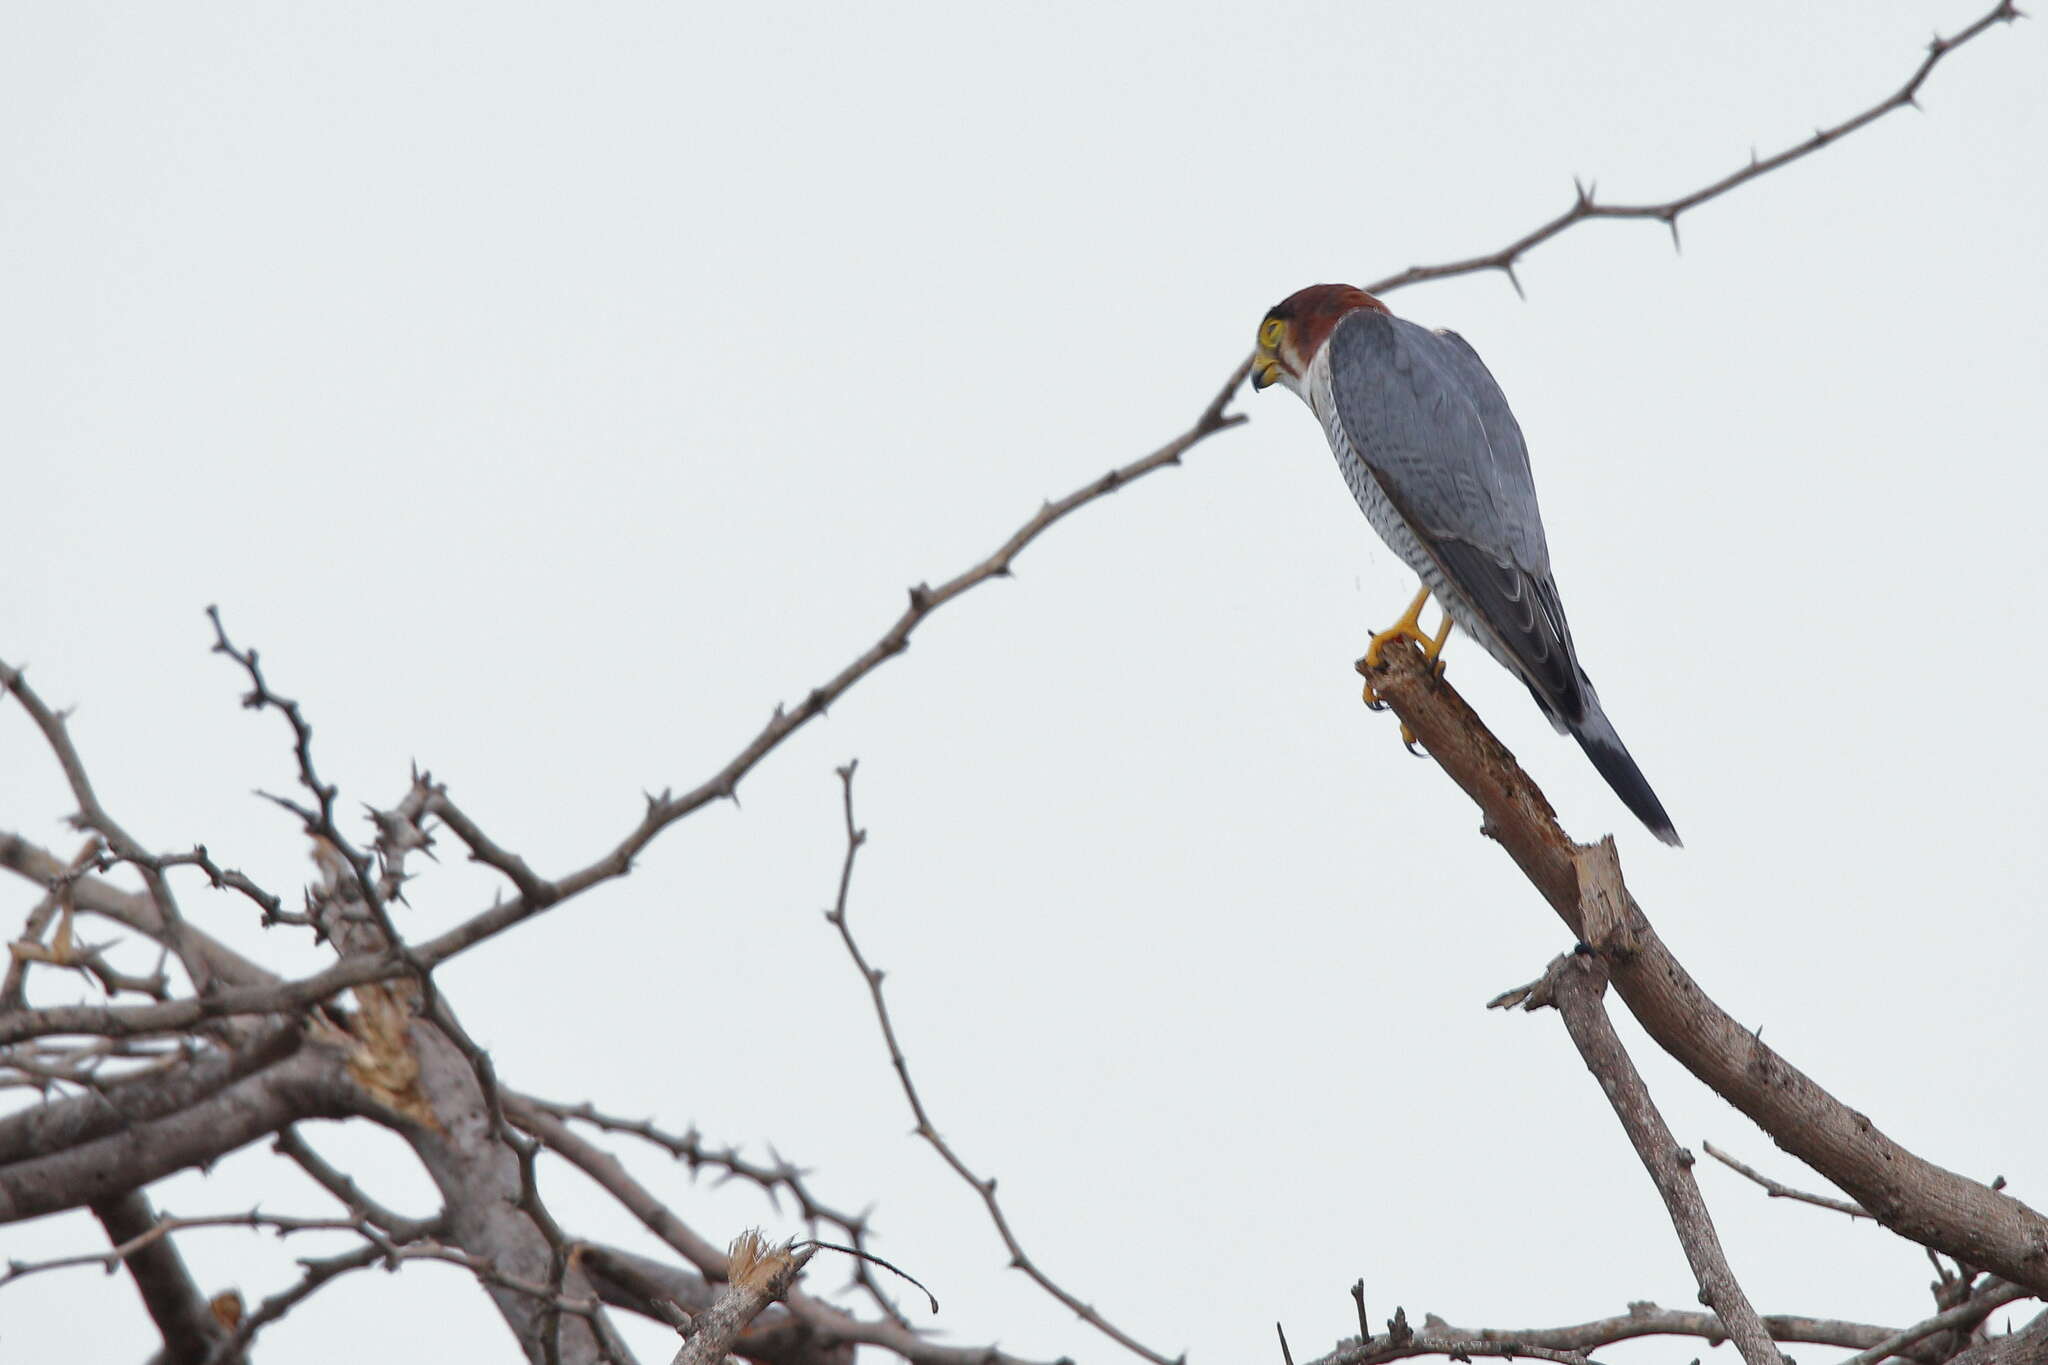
1908,1194
311,1083
490,1212
61,1124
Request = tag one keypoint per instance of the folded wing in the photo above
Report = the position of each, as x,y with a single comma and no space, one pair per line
1426,416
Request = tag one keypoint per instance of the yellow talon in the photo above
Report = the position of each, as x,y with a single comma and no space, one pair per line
1409,627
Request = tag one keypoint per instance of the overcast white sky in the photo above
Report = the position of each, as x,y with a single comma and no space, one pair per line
550,390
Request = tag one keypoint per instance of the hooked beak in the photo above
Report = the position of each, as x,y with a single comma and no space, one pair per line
1265,371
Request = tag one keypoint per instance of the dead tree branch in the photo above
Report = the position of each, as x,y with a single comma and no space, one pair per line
1575,985
1912,1196
760,1274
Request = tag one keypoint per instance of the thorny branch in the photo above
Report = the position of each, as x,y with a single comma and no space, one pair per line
926,1129
537,895
826,1322
1585,207
691,1149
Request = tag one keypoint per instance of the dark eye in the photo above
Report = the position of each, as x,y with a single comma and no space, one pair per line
1271,332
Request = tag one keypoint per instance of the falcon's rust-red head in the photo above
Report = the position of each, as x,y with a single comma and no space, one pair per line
1296,328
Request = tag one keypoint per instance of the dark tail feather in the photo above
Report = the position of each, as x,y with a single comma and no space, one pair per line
1596,736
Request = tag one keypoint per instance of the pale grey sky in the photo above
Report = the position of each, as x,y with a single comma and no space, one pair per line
548,391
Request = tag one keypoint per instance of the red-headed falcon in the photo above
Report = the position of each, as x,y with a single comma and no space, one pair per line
1425,439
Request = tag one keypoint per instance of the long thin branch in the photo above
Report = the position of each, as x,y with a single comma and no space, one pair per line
1915,1198
1585,207
666,809
1648,1320
1575,985
156,1231
178,1016
926,1129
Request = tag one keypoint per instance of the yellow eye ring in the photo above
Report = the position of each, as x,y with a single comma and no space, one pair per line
1271,332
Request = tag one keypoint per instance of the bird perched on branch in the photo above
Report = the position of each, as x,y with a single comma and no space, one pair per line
1425,439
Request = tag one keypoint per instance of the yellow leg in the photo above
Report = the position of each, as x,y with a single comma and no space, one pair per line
1409,627
1433,651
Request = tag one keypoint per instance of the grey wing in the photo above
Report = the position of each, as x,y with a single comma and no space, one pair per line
1426,416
